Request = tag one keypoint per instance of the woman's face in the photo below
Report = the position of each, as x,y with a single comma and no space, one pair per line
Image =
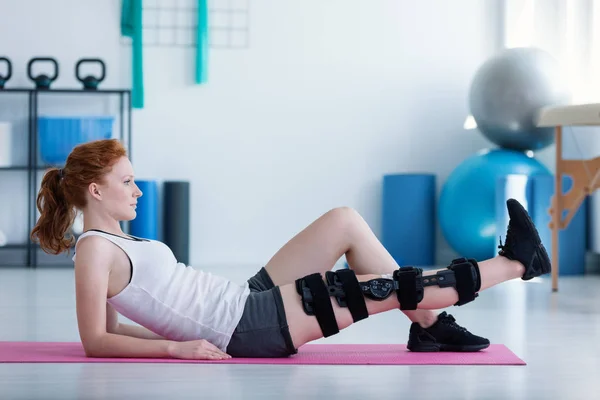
118,193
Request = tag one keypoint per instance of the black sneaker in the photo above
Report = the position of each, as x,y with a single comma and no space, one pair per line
444,335
523,243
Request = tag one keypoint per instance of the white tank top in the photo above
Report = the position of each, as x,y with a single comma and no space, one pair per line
173,300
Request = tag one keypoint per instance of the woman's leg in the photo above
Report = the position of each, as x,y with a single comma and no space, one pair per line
320,245
305,328
522,255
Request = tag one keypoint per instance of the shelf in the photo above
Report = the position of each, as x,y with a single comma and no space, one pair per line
65,91
22,246
30,254
15,247
26,168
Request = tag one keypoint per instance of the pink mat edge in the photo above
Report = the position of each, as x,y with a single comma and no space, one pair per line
496,354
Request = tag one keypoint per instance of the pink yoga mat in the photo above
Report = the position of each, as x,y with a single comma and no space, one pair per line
310,354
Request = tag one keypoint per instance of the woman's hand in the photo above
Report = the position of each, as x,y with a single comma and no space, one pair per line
197,350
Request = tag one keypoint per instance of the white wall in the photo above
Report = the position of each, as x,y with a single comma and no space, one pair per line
329,96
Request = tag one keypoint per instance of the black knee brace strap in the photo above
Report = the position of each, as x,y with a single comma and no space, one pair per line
342,285
316,301
409,287
467,279
346,289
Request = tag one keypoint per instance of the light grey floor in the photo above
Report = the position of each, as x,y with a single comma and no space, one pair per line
556,334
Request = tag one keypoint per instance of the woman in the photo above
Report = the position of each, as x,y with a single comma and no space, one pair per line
189,314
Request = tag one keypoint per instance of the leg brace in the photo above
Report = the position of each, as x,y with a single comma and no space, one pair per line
408,283
462,274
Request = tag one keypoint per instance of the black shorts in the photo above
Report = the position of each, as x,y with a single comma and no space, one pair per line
263,329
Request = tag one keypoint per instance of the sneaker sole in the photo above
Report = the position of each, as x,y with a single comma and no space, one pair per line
540,251
438,347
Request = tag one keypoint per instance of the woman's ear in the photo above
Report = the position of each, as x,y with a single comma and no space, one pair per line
94,190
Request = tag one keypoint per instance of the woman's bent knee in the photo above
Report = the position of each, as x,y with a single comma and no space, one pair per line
343,215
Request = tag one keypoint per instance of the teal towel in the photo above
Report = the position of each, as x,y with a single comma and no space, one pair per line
131,25
202,43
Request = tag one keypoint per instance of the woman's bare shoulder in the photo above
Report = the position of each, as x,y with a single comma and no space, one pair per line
94,249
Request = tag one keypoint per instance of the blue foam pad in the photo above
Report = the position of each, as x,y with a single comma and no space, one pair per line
408,218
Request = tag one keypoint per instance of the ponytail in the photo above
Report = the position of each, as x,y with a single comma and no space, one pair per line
57,215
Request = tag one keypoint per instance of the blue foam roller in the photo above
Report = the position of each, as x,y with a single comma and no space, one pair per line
145,224
572,241
177,219
408,218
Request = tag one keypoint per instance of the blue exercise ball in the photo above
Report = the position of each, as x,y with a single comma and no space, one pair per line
507,92
466,209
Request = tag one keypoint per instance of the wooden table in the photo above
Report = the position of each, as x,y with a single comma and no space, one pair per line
585,174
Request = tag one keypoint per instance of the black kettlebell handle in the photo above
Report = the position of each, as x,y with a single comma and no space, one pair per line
8,67
4,78
33,60
90,60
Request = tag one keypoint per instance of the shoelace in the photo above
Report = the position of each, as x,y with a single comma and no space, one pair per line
451,322
509,237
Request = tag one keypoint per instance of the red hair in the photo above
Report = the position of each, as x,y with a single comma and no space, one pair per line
60,196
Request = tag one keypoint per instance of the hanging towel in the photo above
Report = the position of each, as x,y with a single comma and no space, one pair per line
202,42
131,26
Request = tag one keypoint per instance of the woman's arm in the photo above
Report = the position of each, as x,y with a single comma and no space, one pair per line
136,331
110,345
95,320
114,326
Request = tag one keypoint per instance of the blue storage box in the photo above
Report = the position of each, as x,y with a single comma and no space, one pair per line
59,135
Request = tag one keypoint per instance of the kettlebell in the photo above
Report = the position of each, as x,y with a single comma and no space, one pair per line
90,82
42,81
5,78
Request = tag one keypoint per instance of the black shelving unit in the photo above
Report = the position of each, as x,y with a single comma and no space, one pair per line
33,167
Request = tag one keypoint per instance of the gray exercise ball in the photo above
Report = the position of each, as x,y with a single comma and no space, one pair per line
508,90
